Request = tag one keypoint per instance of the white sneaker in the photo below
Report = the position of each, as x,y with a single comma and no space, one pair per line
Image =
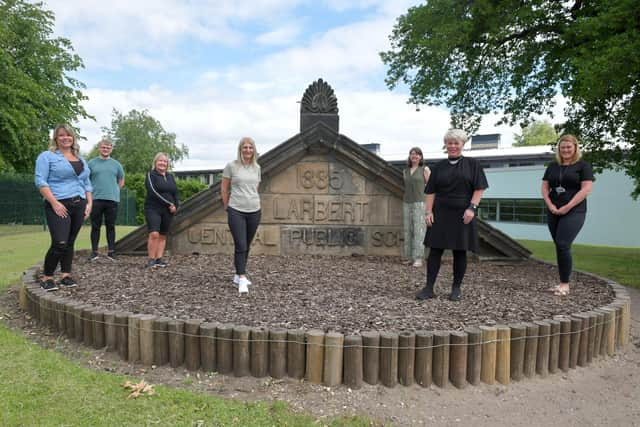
236,280
243,285
417,263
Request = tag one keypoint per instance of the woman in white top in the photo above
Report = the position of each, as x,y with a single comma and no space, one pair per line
239,189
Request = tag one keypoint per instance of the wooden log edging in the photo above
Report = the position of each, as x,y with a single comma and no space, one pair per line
489,354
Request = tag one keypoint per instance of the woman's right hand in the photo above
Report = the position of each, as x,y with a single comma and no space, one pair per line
59,209
429,219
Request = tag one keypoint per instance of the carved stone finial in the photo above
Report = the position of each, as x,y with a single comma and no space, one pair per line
319,104
319,98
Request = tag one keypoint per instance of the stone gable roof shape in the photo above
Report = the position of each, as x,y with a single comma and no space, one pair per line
317,139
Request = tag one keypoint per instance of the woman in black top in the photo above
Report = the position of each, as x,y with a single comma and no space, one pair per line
565,186
453,193
160,206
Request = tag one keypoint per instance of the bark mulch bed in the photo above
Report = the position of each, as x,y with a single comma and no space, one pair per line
331,293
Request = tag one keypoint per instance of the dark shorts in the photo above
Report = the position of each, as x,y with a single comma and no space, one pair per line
158,220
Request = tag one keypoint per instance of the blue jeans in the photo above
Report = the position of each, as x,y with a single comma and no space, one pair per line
243,228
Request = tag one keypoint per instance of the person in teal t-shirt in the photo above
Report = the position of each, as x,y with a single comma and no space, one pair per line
107,178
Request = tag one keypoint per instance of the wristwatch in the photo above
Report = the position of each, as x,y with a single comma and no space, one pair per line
473,207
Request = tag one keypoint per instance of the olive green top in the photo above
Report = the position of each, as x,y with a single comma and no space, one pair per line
414,185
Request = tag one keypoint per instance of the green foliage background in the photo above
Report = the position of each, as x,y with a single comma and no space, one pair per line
135,182
37,90
137,137
512,58
536,133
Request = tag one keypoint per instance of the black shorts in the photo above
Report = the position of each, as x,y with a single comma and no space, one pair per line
158,220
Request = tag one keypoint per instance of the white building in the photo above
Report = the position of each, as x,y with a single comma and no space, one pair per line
513,202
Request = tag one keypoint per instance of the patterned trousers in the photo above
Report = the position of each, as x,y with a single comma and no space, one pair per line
414,230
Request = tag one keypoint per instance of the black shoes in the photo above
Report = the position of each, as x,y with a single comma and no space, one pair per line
456,294
48,285
156,263
68,282
93,256
425,293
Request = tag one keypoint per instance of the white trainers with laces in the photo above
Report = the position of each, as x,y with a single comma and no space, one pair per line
236,280
243,285
417,263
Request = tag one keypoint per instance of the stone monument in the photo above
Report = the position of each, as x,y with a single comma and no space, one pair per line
321,193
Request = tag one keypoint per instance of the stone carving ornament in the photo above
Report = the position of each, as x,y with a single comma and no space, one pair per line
319,98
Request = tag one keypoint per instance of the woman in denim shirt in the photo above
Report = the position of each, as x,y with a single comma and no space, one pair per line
62,177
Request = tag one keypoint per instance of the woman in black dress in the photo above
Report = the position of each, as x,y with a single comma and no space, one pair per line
565,186
453,193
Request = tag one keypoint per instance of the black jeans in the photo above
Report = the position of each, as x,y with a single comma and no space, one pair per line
433,266
564,230
63,233
108,209
243,228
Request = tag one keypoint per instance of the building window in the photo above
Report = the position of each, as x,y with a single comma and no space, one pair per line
530,211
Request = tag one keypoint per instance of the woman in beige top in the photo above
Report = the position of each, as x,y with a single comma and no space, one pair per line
239,188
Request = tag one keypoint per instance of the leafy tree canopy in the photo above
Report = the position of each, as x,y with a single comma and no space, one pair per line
513,57
36,90
536,133
137,137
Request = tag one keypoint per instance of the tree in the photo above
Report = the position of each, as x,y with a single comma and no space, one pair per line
36,90
536,133
137,137
512,57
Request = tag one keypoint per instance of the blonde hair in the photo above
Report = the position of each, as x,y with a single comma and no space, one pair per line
457,135
157,156
105,141
254,158
53,144
577,154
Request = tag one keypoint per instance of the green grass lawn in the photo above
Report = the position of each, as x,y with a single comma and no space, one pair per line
8,229
41,387
619,264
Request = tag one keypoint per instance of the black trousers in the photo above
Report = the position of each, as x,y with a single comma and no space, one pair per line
63,233
433,266
243,228
109,210
564,230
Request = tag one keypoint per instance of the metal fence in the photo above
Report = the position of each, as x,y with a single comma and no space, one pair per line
21,202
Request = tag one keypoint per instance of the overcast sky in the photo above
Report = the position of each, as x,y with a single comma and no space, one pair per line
214,71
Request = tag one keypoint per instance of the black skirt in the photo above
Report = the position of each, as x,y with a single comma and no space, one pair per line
448,231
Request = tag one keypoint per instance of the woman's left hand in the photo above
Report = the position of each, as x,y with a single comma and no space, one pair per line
468,216
172,209
563,210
